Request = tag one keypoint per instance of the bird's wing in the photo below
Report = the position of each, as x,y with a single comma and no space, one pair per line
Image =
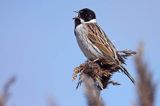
97,36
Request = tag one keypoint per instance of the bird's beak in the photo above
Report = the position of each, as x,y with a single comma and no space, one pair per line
75,17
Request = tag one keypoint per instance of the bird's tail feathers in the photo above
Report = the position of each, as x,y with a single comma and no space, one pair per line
124,70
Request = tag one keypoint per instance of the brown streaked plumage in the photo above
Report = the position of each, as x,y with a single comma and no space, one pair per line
98,38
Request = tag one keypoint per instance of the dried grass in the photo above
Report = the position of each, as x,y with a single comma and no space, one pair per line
92,94
5,92
146,87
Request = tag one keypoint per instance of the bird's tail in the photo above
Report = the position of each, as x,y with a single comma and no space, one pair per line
124,70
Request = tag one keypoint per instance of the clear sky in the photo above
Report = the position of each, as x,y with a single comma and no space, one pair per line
37,44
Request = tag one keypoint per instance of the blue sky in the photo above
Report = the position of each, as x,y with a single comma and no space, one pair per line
37,44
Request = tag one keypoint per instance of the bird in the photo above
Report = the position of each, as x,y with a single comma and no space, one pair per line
93,41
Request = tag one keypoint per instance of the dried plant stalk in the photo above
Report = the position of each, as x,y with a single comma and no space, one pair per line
100,76
146,88
92,92
51,101
5,94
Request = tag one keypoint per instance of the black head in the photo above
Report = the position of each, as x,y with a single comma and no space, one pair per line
86,14
77,21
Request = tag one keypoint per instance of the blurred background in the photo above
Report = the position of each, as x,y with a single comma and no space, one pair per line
38,46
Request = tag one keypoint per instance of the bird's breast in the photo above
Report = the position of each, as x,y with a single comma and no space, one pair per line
89,49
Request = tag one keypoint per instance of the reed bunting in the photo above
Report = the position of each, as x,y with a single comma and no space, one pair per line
93,41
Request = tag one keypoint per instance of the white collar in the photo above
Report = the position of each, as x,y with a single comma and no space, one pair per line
91,21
